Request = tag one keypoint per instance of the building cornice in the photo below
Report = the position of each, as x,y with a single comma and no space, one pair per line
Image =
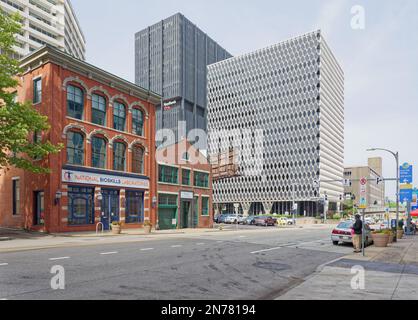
48,54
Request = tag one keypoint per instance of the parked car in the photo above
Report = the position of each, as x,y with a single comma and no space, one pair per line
342,233
250,220
242,219
232,218
285,221
220,218
264,221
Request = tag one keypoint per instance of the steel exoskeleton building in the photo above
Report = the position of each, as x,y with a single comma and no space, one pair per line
294,92
171,59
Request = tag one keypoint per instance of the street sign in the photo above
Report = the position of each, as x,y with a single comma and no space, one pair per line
406,195
363,193
406,173
414,199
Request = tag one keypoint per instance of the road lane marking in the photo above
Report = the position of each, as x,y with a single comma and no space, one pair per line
60,258
108,253
3,264
200,244
177,246
147,249
266,250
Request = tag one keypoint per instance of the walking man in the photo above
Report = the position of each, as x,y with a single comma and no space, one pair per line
358,234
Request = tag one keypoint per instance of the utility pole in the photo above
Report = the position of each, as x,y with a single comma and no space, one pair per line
396,155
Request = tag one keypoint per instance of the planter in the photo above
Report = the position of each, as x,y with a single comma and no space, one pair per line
116,229
399,234
391,238
380,240
147,229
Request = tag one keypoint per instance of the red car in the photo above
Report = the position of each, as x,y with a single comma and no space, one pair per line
264,221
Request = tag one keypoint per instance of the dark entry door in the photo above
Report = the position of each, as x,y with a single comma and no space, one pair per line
185,214
110,207
38,218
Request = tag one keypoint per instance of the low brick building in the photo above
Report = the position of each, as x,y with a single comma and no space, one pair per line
184,187
106,171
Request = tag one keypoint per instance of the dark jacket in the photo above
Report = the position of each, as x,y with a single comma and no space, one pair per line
358,227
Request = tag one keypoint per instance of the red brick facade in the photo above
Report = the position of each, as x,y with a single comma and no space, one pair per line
57,71
184,156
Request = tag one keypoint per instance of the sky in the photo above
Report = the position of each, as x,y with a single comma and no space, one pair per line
380,61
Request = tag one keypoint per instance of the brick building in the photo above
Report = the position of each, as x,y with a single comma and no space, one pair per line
184,187
106,171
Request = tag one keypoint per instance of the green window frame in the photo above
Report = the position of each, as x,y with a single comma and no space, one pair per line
185,177
37,90
137,122
98,115
201,179
75,148
119,116
167,174
205,206
119,156
98,152
75,102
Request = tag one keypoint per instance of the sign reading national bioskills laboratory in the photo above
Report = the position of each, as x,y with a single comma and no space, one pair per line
70,176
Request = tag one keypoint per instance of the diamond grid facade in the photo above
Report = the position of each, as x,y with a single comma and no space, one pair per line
294,92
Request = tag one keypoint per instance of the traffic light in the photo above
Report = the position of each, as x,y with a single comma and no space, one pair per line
326,197
379,180
341,198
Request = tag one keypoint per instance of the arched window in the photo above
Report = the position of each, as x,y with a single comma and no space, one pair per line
119,116
119,156
137,122
75,102
98,110
98,151
137,159
75,148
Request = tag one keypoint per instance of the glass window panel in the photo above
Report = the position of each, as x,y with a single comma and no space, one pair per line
119,153
75,148
98,153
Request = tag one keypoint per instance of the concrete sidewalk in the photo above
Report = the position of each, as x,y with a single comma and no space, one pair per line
390,274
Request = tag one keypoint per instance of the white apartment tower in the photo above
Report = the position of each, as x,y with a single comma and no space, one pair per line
294,93
47,22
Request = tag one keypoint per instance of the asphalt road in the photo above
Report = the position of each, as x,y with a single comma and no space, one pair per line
260,264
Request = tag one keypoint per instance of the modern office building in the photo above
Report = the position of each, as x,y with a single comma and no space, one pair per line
293,93
106,171
47,22
375,192
171,59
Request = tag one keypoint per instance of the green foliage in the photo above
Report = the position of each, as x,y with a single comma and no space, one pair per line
18,121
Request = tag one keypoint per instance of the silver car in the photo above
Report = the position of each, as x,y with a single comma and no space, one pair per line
342,233
232,219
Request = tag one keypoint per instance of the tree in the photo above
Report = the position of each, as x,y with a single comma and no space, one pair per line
18,121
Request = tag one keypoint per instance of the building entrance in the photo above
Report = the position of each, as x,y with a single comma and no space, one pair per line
110,207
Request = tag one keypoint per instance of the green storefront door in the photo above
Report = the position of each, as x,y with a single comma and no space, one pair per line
166,217
167,212
185,214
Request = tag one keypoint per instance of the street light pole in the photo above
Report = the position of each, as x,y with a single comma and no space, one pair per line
396,156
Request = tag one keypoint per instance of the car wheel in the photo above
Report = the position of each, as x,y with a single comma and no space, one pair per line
335,243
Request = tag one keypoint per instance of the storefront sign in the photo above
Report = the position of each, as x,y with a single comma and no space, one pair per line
187,195
98,179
